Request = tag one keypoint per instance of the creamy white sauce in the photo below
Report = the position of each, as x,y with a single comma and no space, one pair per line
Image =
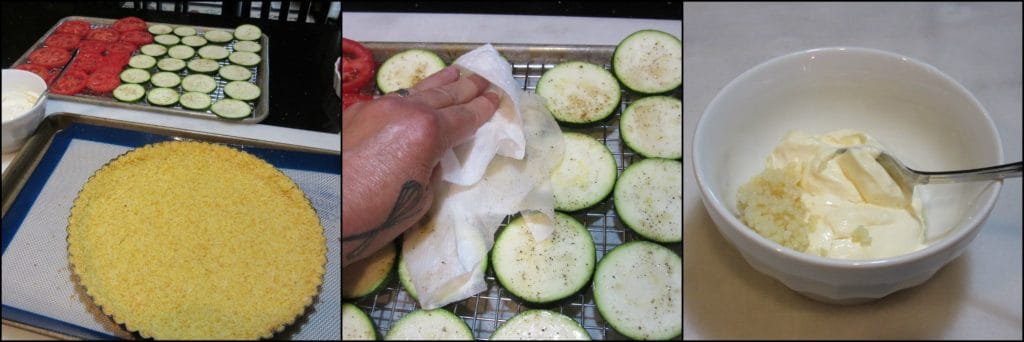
16,103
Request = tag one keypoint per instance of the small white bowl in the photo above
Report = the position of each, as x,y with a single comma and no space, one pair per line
337,76
922,116
17,129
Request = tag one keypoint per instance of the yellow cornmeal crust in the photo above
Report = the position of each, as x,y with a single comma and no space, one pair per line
192,240
770,204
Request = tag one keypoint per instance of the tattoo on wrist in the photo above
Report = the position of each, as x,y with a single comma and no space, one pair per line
405,206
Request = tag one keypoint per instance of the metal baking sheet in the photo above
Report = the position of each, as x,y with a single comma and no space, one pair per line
40,185
485,311
261,77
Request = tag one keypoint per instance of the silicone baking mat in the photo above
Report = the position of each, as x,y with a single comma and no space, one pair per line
485,311
38,290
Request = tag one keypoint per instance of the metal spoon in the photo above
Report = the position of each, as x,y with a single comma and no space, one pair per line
907,178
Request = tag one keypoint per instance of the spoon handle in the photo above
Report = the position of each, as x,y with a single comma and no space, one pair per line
997,172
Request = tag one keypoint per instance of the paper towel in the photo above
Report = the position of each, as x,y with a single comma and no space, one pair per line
510,165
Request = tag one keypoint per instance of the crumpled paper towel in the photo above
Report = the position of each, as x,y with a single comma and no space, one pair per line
507,165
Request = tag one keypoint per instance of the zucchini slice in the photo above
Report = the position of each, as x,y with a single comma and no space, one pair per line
167,39
240,90
231,109
195,101
184,31
649,199
248,32
129,92
142,62
244,58
638,290
134,76
162,97
214,52
586,174
181,52
544,271
579,92
170,64
247,46
193,41
155,50
355,324
366,276
407,68
406,279
430,325
218,36
203,65
165,80
540,325
653,127
649,62
158,29
235,73
199,83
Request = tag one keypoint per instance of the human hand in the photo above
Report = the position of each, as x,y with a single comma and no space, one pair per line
390,153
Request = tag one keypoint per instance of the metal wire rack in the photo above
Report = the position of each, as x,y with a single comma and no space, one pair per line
486,311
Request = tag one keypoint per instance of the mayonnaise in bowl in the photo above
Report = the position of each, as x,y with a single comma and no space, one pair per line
18,102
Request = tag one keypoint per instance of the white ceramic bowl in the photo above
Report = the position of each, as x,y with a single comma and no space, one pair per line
17,129
921,115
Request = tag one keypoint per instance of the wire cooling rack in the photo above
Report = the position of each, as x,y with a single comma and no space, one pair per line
486,311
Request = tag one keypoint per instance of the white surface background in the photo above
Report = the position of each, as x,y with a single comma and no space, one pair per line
285,135
978,295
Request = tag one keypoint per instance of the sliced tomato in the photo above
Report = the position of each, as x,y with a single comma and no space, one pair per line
108,35
121,48
40,70
138,38
76,27
87,62
103,82
349,99
71,83
49,57
110,69
92,46
356,64
117,59
64,41
130,24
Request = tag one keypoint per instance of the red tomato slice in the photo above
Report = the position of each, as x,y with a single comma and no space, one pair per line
87,62
349,99
117,59
76,27
104,34
64,41
137,37
103,82
92,46
116,69
130,24
40,70
356,64
49,57
71,83
121,48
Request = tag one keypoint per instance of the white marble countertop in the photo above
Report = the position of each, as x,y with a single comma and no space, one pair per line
978,295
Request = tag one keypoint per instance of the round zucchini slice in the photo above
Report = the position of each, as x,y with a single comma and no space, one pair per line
649,199
544,271
653,127
355,324
638,290
586,174
579,92
430,325
195,101
540,325
649,62
407,68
